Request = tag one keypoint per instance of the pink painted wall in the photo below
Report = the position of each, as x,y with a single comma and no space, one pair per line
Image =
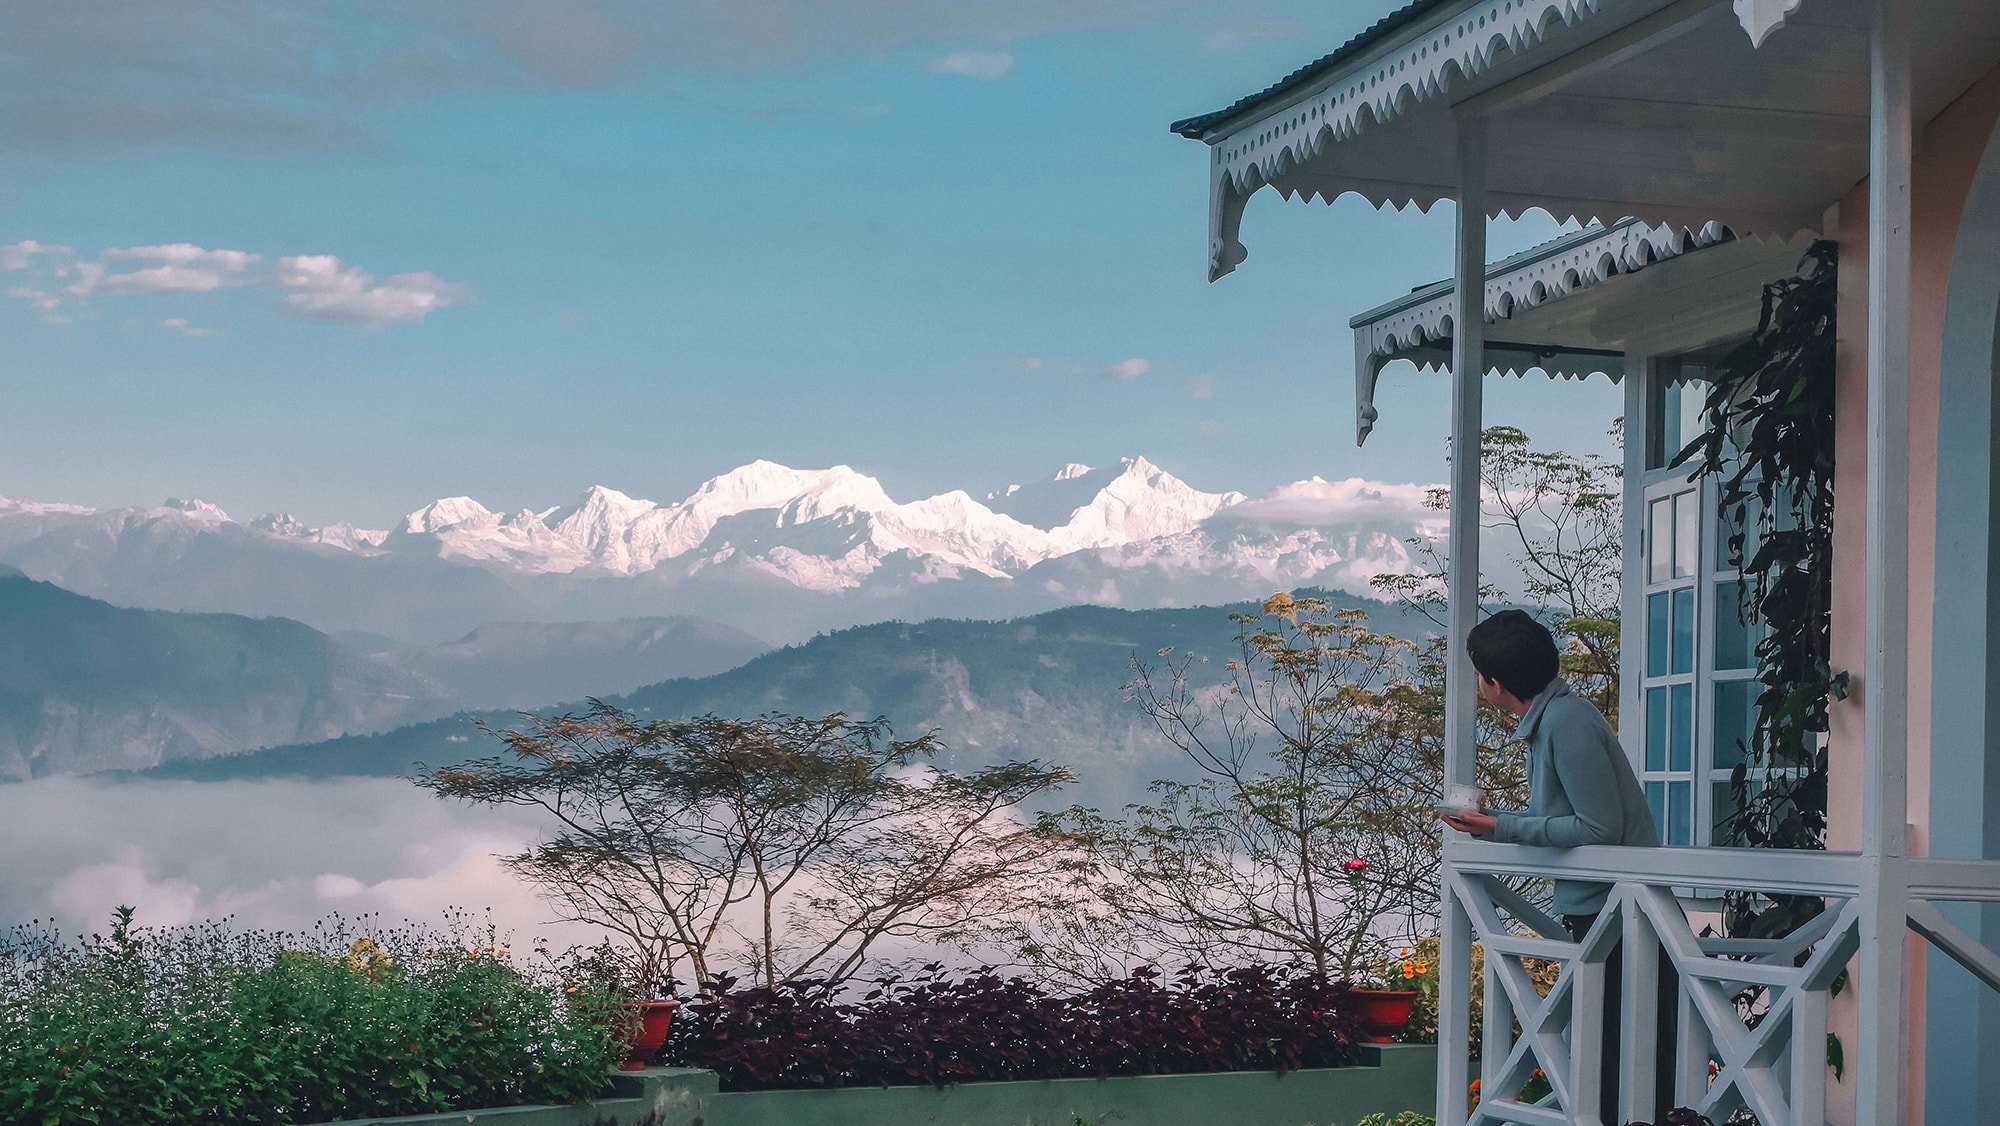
1947,154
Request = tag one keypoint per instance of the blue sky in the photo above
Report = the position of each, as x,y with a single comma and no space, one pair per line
340,261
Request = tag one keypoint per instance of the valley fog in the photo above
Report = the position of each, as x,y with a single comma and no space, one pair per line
272,853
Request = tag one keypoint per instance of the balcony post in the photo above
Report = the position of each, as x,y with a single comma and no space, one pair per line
1468,366
1885,681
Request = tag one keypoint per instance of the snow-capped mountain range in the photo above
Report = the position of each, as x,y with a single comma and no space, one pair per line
821,529
1130,535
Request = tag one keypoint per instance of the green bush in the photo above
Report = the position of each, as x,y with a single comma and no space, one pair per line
209,1024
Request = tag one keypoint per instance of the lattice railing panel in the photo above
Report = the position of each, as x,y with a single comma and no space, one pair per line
1752,1024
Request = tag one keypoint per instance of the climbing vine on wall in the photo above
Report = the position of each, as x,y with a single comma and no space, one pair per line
1769,440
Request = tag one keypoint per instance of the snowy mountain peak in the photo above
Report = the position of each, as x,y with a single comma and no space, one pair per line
281,524
836,529
767,484
347,537
446,512
200,510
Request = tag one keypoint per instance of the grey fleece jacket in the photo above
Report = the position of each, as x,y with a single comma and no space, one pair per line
1581,790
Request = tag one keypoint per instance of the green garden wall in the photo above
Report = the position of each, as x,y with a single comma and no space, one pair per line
1404,1078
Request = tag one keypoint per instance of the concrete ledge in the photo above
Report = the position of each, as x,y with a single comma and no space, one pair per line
1394,1077
660,1096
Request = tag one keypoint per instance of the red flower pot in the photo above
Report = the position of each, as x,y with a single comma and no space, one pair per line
1383,1012
655,1018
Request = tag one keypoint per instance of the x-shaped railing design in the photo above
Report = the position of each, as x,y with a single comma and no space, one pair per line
1774,1068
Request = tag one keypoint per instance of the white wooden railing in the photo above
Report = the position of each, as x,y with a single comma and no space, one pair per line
1776,1070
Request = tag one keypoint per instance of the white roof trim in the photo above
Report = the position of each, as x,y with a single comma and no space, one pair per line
1549,272
1415,68
1419,64
1762,17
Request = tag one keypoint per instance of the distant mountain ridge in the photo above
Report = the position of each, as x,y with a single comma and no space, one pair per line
86,686
1049,687
778,551
529,664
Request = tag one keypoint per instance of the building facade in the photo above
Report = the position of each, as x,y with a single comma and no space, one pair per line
1704,144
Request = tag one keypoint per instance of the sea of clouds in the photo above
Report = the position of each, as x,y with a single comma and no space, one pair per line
276,854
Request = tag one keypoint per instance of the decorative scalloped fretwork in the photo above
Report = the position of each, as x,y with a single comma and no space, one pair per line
1762,17
1550,273
1571,265
1464,45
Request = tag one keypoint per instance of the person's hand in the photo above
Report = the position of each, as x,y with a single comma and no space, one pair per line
1472,824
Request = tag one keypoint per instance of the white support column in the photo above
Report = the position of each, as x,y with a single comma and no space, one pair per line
1468,367
1885,680
1632,598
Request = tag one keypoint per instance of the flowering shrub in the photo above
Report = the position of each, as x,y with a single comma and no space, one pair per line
207,1024
938,1030
1424,953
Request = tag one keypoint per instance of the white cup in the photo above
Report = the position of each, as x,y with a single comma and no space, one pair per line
1460,799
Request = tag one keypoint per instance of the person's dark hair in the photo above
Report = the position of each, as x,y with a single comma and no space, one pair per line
1515,650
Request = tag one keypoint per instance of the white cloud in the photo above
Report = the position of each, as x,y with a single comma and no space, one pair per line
40,300
185,254
22,254
1124,371
1201,386
1332,503
323,288
320,286
178,268
74,848
983,65
158,279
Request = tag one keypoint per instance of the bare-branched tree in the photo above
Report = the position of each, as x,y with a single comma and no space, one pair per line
1311,837
784,846
1558,517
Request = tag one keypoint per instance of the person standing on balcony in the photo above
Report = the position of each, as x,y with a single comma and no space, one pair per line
1581,791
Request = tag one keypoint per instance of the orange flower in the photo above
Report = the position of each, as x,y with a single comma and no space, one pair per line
1537,1074
1409,970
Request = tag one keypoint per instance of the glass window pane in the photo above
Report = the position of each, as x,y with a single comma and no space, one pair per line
1735,713
1680,813
1735,639
1693,405
1727,524
1656,797
1720,813
1656,729
1657,635
1687,532
1684,630
1661,553
1681,741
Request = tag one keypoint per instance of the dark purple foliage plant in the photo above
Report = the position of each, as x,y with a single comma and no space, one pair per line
938,1029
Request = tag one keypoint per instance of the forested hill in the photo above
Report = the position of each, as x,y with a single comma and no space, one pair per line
1047,687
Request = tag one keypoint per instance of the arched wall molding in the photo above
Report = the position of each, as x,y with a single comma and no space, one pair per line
1962,1064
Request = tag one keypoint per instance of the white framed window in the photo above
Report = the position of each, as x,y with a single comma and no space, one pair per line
1696,656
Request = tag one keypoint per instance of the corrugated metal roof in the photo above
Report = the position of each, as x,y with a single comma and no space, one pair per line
1194,127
